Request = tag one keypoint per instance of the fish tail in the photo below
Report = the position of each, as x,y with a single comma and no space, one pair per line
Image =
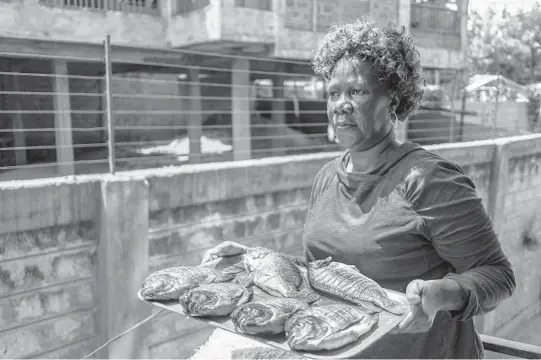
395,307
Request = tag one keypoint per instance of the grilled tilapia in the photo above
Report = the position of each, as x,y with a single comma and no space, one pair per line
170,283
328,327
265,316
346,282
277,275
217,299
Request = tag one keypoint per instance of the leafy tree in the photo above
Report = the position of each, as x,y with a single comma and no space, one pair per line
509,44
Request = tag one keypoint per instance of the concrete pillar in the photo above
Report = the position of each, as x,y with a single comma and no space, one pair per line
195,117
404,14
462,6
122,267
240,106
278,119
17,124
62,118
498,188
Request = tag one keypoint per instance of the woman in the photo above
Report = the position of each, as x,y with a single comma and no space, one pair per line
405,217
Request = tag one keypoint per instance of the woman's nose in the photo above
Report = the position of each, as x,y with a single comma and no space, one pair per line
343,106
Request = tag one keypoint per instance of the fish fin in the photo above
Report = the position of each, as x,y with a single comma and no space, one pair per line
308,295
234,269
368,306
245,279
316,264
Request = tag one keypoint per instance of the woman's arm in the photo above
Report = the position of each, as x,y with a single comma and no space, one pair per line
462,233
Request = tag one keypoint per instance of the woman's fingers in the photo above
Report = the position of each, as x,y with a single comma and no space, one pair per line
406,323
209,256
227,248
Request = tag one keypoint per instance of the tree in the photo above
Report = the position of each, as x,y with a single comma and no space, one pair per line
508,44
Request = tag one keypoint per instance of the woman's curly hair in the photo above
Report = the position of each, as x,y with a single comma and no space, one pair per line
391,52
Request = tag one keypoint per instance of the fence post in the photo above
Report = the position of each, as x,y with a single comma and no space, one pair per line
240,106
122,265
109,105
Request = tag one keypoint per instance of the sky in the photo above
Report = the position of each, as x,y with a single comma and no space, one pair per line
512,5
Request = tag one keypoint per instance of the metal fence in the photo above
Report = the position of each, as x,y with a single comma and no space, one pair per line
113,112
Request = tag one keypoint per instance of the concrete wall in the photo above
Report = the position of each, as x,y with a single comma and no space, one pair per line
30,18
68,243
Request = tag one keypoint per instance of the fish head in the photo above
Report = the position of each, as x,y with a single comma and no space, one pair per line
317,264
255,257
193,302
158,286
303,328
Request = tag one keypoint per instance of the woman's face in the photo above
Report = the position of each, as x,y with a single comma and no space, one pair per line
358,105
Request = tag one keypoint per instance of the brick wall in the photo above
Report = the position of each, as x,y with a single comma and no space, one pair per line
63,247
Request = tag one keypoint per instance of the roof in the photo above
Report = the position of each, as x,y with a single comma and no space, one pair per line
481,80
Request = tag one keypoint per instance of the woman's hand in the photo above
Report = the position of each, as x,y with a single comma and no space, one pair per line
426,298
227,248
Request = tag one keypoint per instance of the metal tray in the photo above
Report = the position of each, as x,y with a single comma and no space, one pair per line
387,322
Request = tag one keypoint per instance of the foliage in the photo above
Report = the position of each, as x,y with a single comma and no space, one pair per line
509,44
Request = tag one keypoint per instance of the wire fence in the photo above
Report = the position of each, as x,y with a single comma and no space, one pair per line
67,116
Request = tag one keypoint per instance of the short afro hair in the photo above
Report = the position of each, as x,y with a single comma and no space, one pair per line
391,52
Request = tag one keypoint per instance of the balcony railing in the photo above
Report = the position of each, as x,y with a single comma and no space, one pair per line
430,17
149,7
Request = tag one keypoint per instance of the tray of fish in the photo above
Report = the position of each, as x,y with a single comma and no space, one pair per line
325,310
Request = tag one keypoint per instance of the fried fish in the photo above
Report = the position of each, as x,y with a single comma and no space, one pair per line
346,282
170,283
217,299
265,316
277,275
328,327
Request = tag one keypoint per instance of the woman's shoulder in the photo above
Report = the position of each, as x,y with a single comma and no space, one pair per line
430,176
326,174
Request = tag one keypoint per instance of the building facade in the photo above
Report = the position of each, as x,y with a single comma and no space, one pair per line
63,39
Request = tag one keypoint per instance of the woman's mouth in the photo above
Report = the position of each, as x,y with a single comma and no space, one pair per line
344,125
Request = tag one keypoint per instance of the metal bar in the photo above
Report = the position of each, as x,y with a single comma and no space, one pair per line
509,347
109,104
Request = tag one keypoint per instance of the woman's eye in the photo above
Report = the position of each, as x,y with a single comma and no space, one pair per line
333,93
358,92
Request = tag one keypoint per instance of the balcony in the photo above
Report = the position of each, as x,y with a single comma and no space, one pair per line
149,7
213,25
88,21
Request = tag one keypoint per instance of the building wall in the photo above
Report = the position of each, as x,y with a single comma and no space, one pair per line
63,242
195,26
30,18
